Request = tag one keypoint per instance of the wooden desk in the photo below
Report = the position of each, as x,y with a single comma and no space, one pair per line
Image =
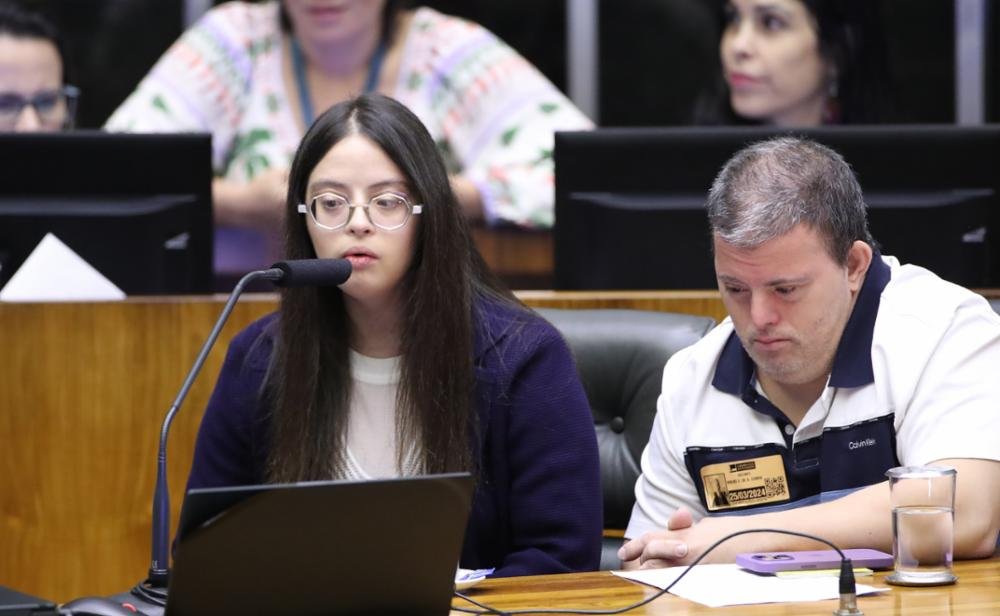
976,593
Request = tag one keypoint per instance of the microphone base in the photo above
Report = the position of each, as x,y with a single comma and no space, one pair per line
151,592
848,606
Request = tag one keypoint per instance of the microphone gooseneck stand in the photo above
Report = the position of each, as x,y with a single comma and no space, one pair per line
292,273
154,588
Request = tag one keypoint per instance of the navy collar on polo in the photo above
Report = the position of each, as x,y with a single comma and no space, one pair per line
852,364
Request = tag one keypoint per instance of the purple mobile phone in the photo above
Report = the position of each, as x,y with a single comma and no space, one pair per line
770,562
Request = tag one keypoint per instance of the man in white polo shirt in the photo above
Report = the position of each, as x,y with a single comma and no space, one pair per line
837,364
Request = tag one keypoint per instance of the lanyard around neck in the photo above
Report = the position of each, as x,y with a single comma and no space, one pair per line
302,83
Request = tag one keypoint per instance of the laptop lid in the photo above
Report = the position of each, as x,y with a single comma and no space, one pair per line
14,603
332,547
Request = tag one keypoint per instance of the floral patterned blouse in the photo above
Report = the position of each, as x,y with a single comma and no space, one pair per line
492,113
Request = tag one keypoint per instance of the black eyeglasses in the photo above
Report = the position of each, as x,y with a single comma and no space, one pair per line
55,108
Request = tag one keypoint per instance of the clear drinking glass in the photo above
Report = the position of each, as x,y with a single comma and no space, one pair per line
923,524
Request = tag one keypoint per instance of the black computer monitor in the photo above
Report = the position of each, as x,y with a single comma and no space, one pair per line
630,202
136,207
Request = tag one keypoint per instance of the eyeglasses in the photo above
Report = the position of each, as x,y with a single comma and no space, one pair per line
55,108
386,211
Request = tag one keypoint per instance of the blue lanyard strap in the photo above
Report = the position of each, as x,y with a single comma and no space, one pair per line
375,67
302,83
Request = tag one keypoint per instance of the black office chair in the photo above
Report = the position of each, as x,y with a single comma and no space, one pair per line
620,355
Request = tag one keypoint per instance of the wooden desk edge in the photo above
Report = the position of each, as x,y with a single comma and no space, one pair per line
978,588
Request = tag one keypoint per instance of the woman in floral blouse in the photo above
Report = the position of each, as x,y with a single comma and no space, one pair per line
256,74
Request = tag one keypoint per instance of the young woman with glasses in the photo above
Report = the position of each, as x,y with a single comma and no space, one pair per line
33,96
419,363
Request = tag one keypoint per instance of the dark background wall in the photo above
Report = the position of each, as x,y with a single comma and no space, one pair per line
111,45
654,54
993,63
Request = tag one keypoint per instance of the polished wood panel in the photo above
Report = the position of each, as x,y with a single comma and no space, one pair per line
707,303
522,258
83,390
976,593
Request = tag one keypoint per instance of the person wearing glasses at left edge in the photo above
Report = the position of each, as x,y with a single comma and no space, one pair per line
33,94
420,363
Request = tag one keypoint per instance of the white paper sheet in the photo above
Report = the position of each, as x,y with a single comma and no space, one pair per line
720,585
54,273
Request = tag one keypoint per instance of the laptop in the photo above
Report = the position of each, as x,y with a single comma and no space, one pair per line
14,603
332,547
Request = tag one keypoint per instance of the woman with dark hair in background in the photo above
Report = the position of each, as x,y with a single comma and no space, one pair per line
33,91
255,74
419,363
798,63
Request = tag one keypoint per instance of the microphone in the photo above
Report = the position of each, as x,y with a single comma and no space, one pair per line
313,272
293,273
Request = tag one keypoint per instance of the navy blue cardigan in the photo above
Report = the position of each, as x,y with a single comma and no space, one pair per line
537,504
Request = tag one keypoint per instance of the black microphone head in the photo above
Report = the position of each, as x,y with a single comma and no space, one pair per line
313,272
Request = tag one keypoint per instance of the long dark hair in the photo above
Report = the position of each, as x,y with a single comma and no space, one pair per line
309,383
851,37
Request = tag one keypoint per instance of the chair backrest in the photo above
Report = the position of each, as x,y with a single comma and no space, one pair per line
620,355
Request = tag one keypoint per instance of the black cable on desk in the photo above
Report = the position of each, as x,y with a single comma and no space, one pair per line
848,590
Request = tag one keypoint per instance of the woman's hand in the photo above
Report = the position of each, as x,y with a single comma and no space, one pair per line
259,203
468,197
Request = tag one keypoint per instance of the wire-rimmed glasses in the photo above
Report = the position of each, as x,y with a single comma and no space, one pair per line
386,210
56,109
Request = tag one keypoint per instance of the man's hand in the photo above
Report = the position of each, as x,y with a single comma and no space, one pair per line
658,548
683,541
862,519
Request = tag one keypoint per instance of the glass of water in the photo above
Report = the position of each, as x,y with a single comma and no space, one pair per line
923,524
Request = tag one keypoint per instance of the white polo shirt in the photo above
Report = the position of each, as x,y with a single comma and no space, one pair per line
916,378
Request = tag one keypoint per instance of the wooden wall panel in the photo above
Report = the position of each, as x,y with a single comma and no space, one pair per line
707,303
522,258
83,390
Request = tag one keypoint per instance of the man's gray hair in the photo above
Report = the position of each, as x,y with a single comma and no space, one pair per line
769,187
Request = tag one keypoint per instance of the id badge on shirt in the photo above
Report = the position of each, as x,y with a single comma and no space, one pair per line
744,483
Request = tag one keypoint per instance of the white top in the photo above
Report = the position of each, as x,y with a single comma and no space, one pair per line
914,380
372,448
